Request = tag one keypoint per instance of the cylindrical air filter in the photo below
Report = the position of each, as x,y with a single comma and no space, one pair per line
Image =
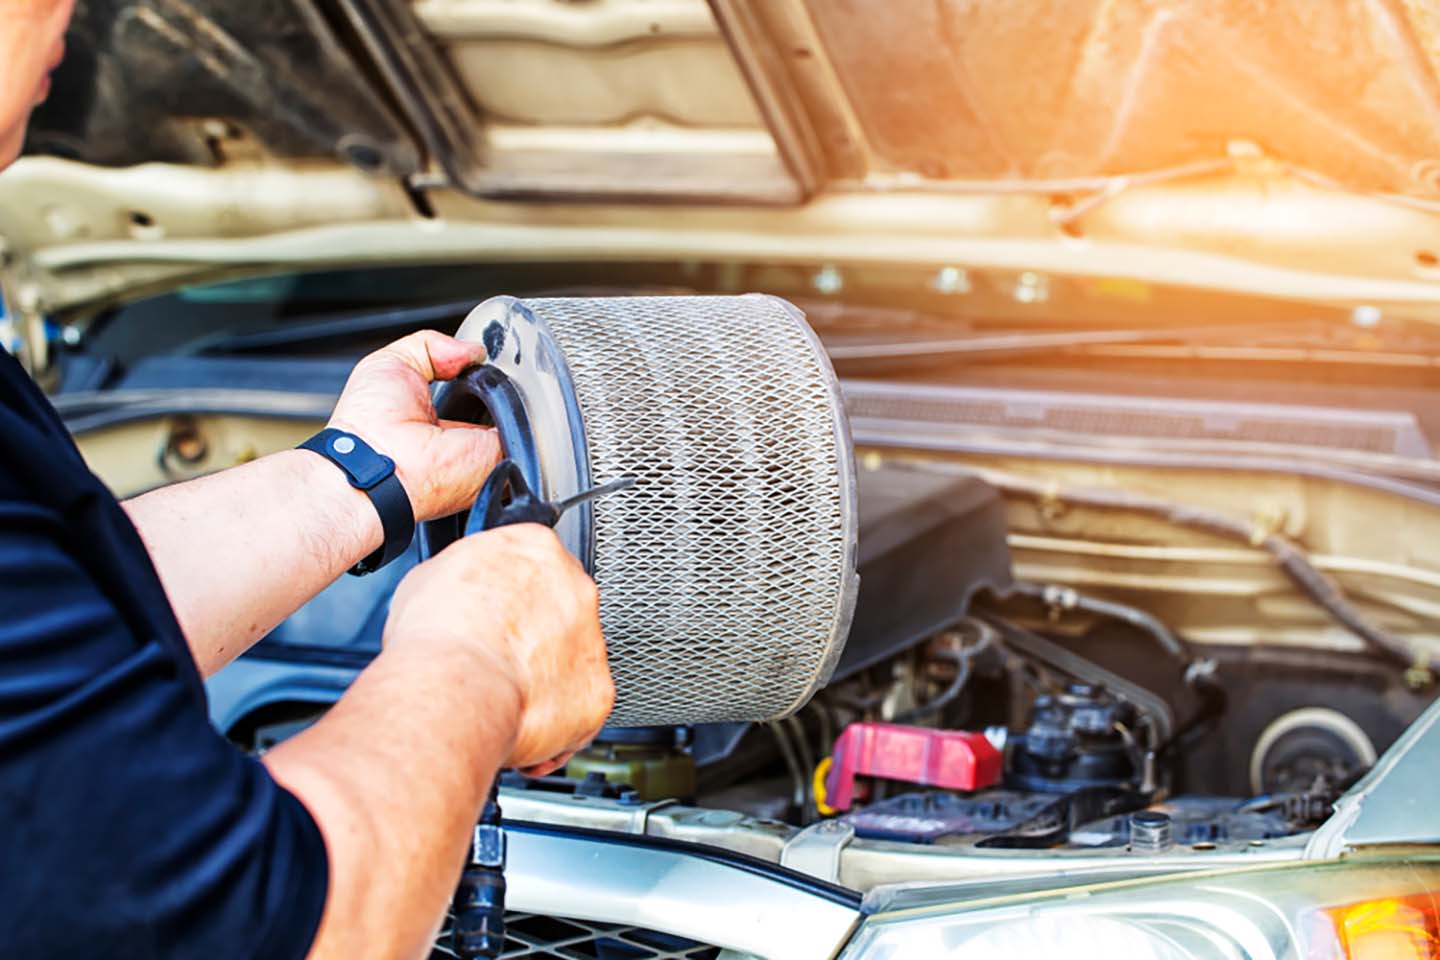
727,572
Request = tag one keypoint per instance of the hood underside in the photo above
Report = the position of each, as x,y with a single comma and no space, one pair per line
1036,91
1076,89
1287,134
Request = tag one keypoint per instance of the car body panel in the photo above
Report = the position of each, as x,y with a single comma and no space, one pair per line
1089,140
718,899
1011,92
1394,802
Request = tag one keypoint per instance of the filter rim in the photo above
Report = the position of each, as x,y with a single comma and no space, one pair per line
525,375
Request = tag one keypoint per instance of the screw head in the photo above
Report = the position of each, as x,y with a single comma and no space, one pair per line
828,280
952,280
1032,287
1365,317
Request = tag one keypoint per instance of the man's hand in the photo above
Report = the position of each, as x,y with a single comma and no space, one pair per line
386,401
241,550
492,657
513,606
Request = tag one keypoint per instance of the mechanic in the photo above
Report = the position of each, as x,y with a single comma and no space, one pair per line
128,826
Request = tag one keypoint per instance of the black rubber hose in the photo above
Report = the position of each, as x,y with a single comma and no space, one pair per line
948,695
985,635
1068,599
1213,702
1291,559
1322,589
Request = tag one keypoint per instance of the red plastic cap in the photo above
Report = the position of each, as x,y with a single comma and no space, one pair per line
954,759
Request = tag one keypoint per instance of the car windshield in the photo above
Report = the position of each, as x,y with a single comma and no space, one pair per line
205,318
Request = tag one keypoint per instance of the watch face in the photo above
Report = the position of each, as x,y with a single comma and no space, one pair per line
365,467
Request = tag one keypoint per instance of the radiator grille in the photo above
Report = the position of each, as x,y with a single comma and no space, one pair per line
528,935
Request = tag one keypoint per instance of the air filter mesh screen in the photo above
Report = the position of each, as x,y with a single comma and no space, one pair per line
727,573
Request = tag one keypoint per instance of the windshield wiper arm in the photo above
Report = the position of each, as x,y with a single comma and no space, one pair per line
318,332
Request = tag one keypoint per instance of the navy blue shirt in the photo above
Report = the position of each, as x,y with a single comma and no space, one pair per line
129,828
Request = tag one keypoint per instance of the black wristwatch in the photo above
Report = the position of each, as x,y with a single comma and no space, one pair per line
374,475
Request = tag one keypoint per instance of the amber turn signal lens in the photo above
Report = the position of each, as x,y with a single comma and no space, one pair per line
1395,928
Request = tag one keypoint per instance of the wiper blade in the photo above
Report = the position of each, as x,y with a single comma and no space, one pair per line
319,332
92,410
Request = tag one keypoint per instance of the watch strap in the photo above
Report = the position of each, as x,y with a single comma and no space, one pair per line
373,474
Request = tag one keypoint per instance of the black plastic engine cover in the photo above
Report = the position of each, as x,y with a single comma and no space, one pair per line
999,819
930,817
928,544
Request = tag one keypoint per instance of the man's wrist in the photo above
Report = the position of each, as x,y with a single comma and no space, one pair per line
482,701
374,474
353,528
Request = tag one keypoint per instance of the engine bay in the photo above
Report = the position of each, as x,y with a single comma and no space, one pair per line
1150,604
996,731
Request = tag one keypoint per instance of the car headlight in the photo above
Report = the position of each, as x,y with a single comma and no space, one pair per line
1356,909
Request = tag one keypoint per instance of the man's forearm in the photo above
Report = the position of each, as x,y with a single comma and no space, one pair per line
395,776
241,550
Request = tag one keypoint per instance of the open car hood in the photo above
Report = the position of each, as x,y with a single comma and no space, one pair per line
1216,144
988,93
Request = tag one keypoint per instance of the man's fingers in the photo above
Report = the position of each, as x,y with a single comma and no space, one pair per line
462,425
549,766
435,356
449,356
476,447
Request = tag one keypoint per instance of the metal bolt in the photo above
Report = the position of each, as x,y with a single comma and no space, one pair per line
828,281
1151,832
362,153
952,280
1365,317
64,222
1032,288
186,443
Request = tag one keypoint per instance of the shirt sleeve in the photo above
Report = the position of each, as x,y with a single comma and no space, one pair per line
129,828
